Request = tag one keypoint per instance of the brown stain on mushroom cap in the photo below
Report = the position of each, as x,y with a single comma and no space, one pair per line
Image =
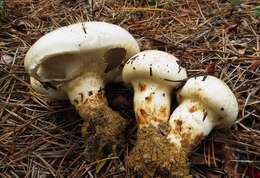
141,87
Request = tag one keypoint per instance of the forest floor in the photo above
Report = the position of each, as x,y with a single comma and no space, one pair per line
41,138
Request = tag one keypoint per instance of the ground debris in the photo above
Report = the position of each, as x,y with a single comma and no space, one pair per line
39,138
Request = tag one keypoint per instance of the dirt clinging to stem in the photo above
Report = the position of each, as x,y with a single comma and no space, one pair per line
154,156
103,129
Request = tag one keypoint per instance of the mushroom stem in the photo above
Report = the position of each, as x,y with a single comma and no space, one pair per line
151,103
102,127
87,88
154,154
154,74
190,123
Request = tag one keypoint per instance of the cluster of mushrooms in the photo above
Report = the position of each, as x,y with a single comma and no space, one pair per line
75,62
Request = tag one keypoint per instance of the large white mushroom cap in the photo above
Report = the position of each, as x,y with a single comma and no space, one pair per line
62,54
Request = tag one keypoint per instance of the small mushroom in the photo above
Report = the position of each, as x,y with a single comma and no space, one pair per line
205,102
153,75
79,60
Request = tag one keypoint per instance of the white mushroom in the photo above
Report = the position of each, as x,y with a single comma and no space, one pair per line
154,74
205,102
79,59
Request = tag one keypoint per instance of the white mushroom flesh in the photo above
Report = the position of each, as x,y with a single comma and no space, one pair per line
205,102
151,102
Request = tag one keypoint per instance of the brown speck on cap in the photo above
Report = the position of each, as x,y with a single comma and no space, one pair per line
180,65
151,70
205,115
84,28
148,99
131,60
204,78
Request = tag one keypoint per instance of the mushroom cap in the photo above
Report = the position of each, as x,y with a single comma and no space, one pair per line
66,52
215,95
154,65
47,90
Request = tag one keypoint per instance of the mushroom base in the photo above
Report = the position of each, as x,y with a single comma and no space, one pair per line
154,156
103,130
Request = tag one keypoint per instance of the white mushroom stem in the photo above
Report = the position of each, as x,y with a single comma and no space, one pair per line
85,87
102,126
190,123
86,93
151,102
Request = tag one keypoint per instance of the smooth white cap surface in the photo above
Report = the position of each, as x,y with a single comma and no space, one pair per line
213,93
64,53
156,66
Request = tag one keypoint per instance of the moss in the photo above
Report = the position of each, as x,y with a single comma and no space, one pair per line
154,156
